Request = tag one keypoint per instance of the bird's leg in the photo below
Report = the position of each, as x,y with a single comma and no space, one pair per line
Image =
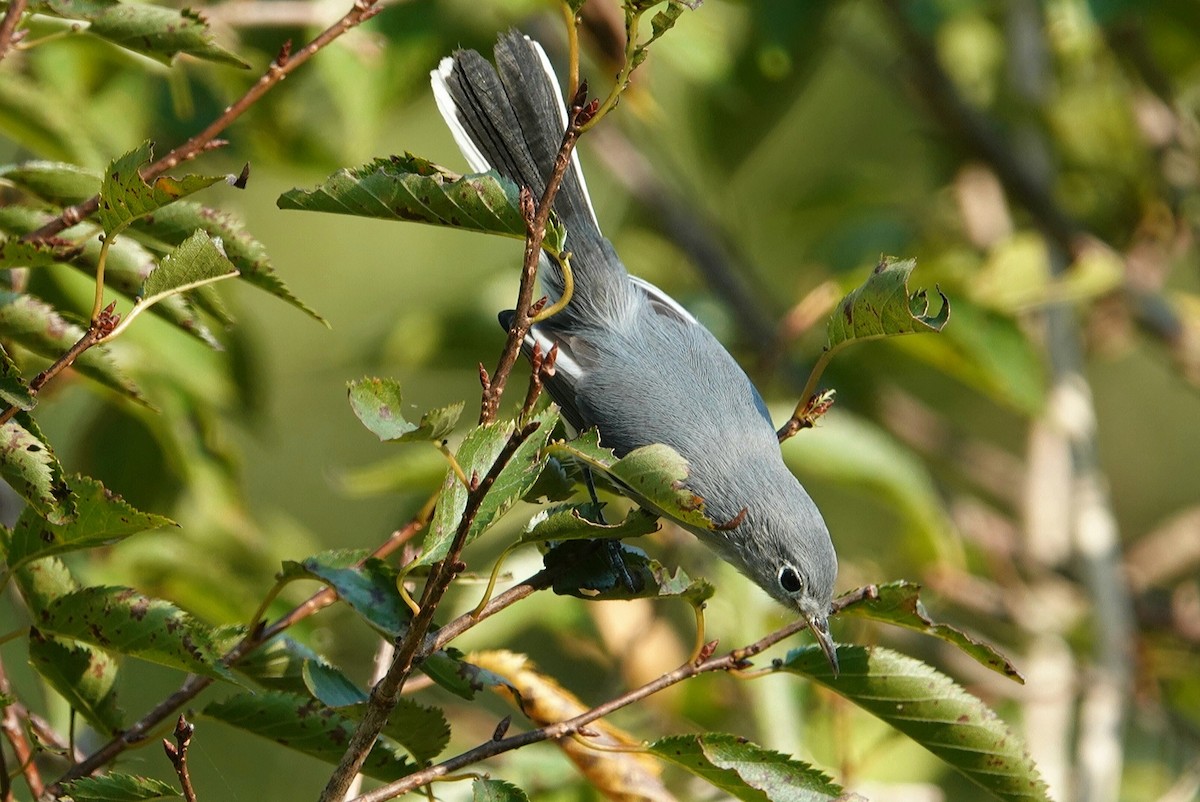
612,547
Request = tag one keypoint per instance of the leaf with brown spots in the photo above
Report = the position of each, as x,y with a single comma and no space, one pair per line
883,307
29,466
125,196
368,586
83,675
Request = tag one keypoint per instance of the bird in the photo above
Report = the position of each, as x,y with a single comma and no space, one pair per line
632,362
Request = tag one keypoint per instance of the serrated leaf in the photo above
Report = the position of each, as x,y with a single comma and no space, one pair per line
125,196
654,474
43,581
28,464
117,788
277,665
83,675
196,262
102,518
14,391
57,183
517,476
577,522
899,603
369,588
931,709
496,790
590,570
155,31
422,731
330,686
124,621
463,679
173,224
413,189
305,725
883,307
43,253
746,770
378,403
39,327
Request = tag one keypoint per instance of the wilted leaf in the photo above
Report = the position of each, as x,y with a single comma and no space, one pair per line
155,31
746,770
613,570
496,791
883,307
124,621
101,519
29,466
410,188
125,196
304,724
83,675
899,603
576,522
379,405
369,588
117,788
931,709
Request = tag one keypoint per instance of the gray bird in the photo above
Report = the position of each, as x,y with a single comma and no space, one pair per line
632,362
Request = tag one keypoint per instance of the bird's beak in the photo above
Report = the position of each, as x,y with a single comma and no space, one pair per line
820,630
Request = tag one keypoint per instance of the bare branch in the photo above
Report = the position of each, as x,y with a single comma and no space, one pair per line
8,27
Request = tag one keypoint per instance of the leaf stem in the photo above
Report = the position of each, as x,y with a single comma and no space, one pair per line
632,19
564,264
142,304
101,261
572,22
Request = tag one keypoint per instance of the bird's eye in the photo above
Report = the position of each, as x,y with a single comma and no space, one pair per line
789,580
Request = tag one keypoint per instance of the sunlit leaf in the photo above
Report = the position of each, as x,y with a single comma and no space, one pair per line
28,465
13,389
576,522
496,791
463,679
614,570
125,196
124,621
379,405
899,603
117,788
369,588
305,725
83,675
931,709
883,307
42,253
746,770
410,188
195,262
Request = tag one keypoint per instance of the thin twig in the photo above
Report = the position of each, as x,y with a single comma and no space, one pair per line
177,753
8,26
14,731
734,660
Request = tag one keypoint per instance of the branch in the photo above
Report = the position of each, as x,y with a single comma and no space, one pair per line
10,725
177,753
8,26
738,659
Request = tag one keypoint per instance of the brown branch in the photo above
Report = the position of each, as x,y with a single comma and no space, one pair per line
734,660
194,684
177,753
8,26
14,731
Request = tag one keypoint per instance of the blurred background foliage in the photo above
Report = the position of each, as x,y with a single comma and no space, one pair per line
1035,466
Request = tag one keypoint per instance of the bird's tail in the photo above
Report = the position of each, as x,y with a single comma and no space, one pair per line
511,118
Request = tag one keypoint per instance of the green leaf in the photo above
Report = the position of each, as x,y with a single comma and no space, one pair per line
57,183
29,466
745,770
931,709
102,518
369,588
117,788
330,686
576,522
124,621
277,665
451,672
586,570
496,790
83,675
13,389
124,196
43,253
899,603
410,188
654,474
422,731
38,327
379,405
517,476
883,307
43,581
155,31
196,262
171,225
305,725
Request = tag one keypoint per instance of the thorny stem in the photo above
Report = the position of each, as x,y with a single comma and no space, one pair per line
195,684
732,661
8,27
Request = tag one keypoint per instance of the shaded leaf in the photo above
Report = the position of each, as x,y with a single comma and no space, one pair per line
379,405
590,570
369,588
19,253
277,665
305,725
29,466
14,391
117,788
102,518
196,262
124,621
171,225
422,731
125,196
899,603
517,476
410,188
463,679
746,770
931,709
38,327
496,791
883,307
576,522
83,675
57,183
155,31
330,686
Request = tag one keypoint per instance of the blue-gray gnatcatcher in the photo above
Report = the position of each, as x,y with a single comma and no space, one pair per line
632,362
